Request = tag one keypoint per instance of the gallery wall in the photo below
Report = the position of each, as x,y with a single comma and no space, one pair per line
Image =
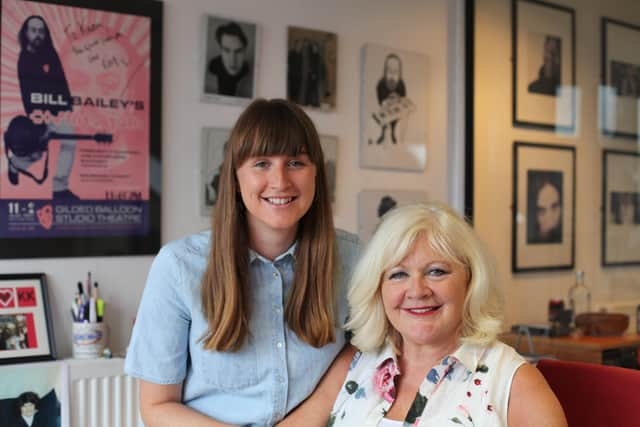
433,28
527,293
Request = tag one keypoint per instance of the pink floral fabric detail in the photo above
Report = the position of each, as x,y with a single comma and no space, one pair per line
384,380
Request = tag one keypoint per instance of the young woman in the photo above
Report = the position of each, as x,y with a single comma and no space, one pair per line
238,324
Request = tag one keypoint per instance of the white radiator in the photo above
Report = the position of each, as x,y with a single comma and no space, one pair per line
101,395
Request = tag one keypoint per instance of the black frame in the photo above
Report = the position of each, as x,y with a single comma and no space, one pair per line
604,77
132,244
41,278
605,212
514,55
514,207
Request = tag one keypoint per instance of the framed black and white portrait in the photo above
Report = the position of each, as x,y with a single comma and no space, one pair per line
230,54
621,208
544,74
393,109
329,145
620,71
543,220
312,68
212,147
373,204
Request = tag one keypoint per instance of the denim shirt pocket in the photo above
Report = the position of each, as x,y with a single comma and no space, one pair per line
228,370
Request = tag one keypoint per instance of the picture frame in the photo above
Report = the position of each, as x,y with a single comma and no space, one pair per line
543,44
229,66
26,330
620,73
543,210
373,204
44,384
80,128
312,68
393,109
329,145
620,208
212,148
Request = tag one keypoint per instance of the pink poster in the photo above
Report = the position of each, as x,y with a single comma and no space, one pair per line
76,120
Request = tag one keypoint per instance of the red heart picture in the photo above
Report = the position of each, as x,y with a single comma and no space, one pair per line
6,298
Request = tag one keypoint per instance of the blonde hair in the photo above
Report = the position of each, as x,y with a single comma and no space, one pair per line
449,236
265,128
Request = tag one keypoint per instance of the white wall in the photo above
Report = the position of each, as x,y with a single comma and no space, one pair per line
415,25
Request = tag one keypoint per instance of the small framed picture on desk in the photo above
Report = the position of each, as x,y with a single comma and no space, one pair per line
26,332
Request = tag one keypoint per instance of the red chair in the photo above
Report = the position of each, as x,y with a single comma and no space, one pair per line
594,395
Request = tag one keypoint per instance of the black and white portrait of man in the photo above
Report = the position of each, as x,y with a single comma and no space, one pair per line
544,206
311,68
393,110
374,204
548,77
230,65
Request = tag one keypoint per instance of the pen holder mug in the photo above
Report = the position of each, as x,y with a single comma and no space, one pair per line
89,339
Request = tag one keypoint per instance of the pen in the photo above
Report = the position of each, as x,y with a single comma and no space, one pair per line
100,309
92,310
81,292
88,284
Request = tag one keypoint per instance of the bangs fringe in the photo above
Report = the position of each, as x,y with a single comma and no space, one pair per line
273,132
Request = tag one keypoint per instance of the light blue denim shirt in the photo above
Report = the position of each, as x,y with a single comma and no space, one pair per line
269,376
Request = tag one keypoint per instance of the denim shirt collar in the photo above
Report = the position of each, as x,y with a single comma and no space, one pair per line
253,255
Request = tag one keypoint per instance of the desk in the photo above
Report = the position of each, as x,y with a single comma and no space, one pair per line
619,351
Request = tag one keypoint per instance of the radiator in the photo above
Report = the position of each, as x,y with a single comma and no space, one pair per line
101,395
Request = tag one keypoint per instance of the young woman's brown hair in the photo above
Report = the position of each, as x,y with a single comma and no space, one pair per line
267,128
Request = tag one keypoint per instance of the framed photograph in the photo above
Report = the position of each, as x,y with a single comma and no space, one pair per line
312,58
620,71
543,221
213,144
393,109
230,54
621,208
544,66
35,395
26,332
330,150
373,204
80,125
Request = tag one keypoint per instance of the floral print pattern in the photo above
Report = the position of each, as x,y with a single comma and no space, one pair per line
467,388
384,380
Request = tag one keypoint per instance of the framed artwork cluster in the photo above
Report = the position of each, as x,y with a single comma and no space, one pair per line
393,112
544,97
80,125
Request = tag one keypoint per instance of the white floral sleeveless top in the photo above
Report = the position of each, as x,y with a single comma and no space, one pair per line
467,388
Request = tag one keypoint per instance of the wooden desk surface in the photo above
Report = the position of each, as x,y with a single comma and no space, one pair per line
584,348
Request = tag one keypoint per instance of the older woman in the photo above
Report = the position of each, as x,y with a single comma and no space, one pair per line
425,313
